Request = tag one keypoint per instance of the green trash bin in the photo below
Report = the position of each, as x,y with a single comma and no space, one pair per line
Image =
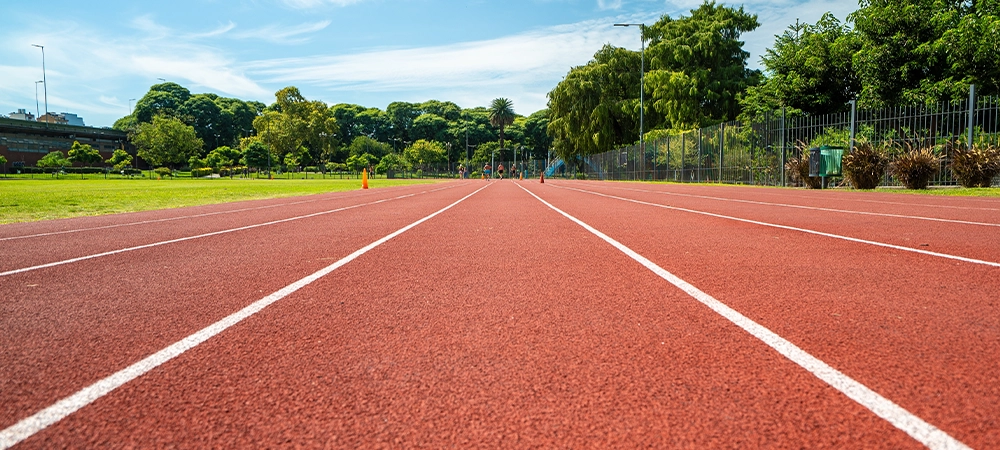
830,159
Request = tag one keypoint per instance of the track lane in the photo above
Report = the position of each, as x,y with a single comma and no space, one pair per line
921,331
50,248
504,346
964,240
68,327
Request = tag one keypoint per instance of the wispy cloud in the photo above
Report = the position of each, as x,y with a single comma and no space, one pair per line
306,4
609,4
283,34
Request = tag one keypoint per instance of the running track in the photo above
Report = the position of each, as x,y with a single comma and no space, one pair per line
509,314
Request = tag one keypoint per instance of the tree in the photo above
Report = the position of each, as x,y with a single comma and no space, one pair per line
162,99
423,153
84,153
256,154
358,162
120,160
391,162
166,141
501,115
536,134
430,127
698,66
365,144
917,51
808,70
596,107
53,159
3,162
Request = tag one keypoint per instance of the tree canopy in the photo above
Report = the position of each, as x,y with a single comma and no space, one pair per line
166,141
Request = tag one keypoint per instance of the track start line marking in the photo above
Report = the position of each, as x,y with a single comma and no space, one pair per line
199,236
787,227
28,426
917,428
814,208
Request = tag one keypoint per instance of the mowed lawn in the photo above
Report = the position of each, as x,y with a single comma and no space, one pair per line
25,200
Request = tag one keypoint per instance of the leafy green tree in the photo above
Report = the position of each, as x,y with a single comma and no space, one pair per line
166,141
596,107
84,153
201,112
257,155
536,134
365,144
424,153
501,115
356,163
698,65
162,99
917,51
401,116
809,69
391,162
429,127
53,159
3,162
120,160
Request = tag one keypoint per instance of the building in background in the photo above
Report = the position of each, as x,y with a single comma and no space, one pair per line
26,142
53,118
72,119
21,114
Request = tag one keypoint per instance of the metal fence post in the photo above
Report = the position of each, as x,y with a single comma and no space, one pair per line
781,140
722,140
972,113
854,125
683,150
697,176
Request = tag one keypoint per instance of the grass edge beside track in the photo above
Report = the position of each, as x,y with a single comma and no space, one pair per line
39,200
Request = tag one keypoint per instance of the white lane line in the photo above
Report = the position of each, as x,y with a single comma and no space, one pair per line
204,235
28,426
786,227
168,219
814,208
917,428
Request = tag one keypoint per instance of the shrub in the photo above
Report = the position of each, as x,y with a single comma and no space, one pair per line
975,167
581,176
163,172
798,169
310,169
865,165
475,174
203,172
915,167
420,173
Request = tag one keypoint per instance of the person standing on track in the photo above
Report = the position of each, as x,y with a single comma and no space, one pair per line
500,170
487,171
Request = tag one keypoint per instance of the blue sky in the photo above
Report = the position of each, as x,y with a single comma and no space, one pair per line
370,52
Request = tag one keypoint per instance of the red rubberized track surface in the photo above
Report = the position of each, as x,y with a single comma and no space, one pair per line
501,323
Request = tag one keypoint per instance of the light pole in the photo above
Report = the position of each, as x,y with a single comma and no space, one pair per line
37,113
44,82
161,79
642,80
130,105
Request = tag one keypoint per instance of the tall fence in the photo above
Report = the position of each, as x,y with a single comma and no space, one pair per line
756,153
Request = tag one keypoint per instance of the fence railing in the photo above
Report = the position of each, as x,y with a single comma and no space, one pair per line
756,153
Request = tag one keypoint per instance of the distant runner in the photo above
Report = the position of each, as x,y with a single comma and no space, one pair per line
487,171
500,170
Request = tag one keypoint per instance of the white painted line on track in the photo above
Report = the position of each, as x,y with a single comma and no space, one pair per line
28,426
917,428
204,235
168,219
814,208
786,227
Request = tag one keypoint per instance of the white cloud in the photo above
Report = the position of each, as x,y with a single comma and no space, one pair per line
609,4
306,4
283,35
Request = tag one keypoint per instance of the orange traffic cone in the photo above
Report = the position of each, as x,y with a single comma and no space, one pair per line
522,175
364,178
542,180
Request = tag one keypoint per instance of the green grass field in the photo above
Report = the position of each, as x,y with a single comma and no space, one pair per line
43,198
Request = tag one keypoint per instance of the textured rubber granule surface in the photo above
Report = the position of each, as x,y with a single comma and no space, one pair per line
497,324
65,327
921,330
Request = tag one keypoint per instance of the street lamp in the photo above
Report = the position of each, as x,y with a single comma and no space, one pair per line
161,79
46,85
130,105
642,80
37,114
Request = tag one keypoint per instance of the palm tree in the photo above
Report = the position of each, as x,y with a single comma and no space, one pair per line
501,115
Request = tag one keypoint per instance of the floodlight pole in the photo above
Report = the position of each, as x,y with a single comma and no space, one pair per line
44,79
642,81
37,113
130,105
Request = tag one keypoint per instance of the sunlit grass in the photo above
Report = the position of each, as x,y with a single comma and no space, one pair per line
41,198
